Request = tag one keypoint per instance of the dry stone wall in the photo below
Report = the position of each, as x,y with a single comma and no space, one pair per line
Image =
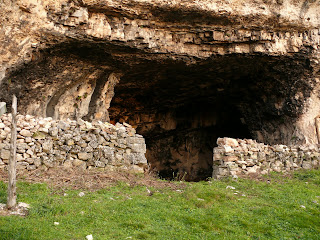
234,157
45,143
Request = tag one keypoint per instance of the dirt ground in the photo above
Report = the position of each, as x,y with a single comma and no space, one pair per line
60,178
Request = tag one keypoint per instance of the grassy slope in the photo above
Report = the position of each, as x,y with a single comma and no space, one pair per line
204,210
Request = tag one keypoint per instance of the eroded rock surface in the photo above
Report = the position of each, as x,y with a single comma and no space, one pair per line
182,72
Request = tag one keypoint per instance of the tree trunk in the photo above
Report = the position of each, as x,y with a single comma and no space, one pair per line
12,195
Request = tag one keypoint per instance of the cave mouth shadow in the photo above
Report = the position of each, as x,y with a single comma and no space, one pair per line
185,152
180,140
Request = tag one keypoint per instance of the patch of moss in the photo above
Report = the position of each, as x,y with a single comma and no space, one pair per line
39,135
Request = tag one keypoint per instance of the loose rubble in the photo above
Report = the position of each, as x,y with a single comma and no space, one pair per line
46,143
235,157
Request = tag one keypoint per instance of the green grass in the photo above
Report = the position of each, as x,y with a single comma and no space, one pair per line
203,210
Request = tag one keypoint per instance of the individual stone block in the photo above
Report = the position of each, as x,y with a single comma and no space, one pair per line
250,162
79,164
93,144
38,135
88,149
137,169
31,167
75,149
47,146
228,142
67,164
3,135
218,36
138,147
3,108
77,138
63,125
19,157
5,154
65,148
22,165
230,158
70,142
29,160
67,136
25,133
53,131
99,164
306,165
59,157
137,158
252,169
232,166
37,162
228,149
48,162
105,135
82,143
85,155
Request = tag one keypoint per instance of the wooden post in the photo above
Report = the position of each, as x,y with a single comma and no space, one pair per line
317,120
12,195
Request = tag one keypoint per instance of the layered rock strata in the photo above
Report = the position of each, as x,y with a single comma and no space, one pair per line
45,143
236,157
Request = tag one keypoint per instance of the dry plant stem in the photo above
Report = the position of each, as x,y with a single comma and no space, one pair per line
12,195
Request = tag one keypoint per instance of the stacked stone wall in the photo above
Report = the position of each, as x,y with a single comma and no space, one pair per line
45,143
236,157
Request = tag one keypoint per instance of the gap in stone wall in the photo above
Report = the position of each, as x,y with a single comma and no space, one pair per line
187,149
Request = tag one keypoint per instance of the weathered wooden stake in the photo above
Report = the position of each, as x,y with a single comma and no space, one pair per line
12,195
317,123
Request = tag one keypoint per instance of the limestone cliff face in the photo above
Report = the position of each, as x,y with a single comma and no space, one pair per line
182,72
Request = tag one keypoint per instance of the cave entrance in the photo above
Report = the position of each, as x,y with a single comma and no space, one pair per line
180,104
181,111
180,140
